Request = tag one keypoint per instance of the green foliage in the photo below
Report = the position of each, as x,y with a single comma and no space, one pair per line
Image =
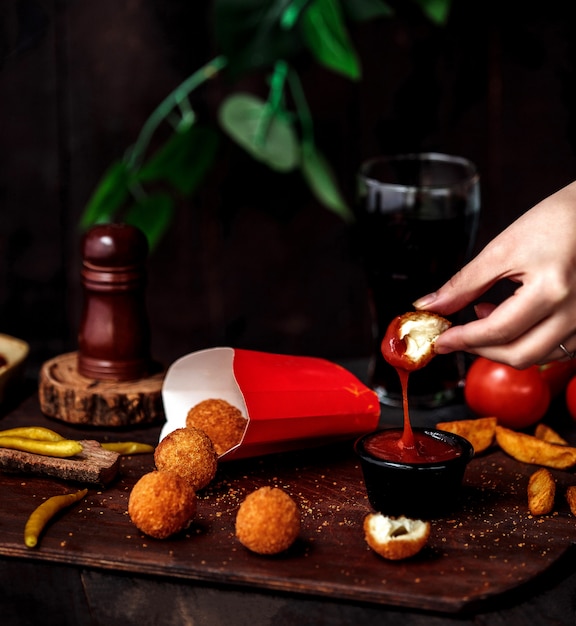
326,35
320,178
266,134
250,35
253,35
109,196
183,160
152,214
364,10
436,10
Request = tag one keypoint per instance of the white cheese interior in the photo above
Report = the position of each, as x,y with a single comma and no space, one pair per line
419,334
385,529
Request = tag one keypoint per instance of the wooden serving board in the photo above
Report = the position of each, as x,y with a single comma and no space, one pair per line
490,546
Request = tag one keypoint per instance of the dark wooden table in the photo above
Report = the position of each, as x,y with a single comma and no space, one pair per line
489,563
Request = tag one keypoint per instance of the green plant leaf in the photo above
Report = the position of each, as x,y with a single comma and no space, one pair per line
268,137
363,10
322,182
250,35
109,195
437,11
325,33
183,160
152,214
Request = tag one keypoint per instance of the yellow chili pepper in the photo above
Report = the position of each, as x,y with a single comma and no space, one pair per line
32,432
45,512
128,447
62,449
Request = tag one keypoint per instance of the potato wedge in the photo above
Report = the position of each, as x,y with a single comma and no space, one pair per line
541,492
543,431
571,498
529,449
479,431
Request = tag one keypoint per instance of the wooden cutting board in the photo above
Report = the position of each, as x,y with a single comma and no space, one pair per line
489,546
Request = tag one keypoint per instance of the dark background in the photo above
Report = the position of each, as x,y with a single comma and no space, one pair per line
253,261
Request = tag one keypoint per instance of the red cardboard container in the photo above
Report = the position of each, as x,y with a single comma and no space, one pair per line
290,402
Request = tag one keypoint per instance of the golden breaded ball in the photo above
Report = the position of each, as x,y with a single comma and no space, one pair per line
268,521
220,420
162,504
395,538
190,453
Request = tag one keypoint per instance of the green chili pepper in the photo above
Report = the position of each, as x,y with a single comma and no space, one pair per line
62,449
128,447
32,432
45,512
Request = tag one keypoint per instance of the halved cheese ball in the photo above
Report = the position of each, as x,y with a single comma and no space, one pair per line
395,538
409,340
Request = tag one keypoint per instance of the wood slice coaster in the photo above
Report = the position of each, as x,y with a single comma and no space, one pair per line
68,396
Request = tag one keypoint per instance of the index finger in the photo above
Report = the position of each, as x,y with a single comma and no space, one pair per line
468,284
511,319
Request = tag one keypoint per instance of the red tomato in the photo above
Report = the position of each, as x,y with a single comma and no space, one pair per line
518,398
571,397
557,374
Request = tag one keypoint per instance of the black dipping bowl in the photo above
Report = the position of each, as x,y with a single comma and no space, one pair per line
417,490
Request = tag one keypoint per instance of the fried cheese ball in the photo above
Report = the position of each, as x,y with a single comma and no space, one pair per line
162,504
409,339
190,453
220,420
395,538
268,521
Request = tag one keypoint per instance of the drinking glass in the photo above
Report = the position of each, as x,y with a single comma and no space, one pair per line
417,218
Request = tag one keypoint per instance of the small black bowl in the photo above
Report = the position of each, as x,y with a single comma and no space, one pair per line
417,490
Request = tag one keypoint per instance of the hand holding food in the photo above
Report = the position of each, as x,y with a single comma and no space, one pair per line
538,253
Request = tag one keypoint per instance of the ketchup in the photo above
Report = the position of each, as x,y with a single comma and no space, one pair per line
387,445
407,448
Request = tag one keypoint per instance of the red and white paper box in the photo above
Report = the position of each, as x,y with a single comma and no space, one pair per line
290,402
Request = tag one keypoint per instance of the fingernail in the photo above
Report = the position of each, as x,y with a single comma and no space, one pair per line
425,301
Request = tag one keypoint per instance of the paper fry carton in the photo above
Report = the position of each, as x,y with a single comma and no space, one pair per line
290,402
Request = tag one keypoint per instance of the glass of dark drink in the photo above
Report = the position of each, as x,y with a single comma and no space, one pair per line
417,217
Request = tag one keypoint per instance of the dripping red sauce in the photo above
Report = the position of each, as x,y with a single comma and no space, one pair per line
409,447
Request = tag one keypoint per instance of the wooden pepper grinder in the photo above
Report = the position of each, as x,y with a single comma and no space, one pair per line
111,380
114,335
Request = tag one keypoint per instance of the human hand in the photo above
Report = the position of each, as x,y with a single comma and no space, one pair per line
537,251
